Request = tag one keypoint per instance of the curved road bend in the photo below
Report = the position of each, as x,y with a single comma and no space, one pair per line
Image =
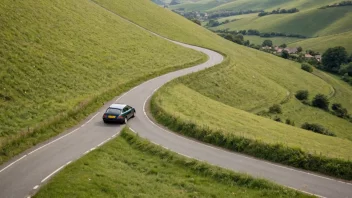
23,176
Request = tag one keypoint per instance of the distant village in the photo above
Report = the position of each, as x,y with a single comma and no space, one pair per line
292,50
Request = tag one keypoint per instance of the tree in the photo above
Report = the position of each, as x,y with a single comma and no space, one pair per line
268,43
346,69
275,109
247,43
229,37
197,21
333,58
299,49
302,94
350,59
321,101
307,67
283,45
339,110
285,54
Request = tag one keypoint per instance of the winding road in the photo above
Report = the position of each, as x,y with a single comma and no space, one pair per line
23,176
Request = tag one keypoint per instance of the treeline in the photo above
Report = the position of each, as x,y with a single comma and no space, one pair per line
343,3
215,23
336,60
221,14
263,34
279,11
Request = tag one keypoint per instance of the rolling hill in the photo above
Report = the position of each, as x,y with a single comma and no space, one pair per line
59,63
247,80
76,65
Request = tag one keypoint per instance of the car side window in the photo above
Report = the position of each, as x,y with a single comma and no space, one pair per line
125,109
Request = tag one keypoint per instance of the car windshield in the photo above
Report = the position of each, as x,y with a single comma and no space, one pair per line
113,111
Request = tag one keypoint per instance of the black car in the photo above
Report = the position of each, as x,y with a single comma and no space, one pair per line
119,113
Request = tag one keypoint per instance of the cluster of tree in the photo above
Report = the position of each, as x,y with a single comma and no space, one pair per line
258,33
321,101
336,60
343,3
236,38
317,128
225,13
214,23
279,11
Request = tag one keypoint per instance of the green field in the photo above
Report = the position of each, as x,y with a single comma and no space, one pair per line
57,60
269,5
247,80
331,26
276,40
311,23
201,5
131,167
320,44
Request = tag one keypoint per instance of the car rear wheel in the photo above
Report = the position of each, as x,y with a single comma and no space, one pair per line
133,114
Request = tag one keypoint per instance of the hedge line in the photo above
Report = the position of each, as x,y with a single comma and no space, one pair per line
279,153
218,174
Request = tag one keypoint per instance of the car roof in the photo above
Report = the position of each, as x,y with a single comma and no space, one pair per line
118,106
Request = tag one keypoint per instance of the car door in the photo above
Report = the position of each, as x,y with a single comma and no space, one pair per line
127,112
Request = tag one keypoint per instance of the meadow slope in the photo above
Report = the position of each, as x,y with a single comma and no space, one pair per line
59,58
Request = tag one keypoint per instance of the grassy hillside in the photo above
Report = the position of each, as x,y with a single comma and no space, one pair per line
131,167
59,57
200,5
311,23
270,5
176,100
320,44
248,79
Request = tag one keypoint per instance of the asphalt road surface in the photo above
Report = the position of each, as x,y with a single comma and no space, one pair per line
25,174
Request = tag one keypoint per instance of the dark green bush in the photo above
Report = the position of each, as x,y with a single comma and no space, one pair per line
277,119
275,109
290,122
317,128
302,94
273,152
321,101
307,67
339,110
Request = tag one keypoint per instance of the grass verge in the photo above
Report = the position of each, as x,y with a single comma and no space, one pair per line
129,166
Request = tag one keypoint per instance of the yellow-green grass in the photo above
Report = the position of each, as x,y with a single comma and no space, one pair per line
311,23
186,104
248,79
131,167
321,44
58,56
201,5
276,40
269,5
